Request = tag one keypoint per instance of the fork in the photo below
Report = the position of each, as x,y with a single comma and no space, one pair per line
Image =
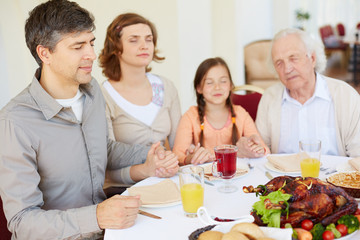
331,171
251,166
324,168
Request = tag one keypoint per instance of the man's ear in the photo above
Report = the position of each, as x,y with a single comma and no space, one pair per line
313,59
43,53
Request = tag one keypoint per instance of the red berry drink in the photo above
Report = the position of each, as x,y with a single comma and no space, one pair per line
226,162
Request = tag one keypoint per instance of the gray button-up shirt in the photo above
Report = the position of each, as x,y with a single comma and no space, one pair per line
52,167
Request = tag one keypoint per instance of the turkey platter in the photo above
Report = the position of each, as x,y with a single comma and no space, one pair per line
310,198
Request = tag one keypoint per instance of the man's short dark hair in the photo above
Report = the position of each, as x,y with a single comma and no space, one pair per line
48,22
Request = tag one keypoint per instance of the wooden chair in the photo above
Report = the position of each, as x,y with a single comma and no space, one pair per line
340,29
4,232
258,69
250,100
333,43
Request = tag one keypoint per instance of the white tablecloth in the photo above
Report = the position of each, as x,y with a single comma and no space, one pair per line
174,225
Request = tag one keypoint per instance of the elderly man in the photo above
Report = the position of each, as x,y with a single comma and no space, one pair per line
54,146
306,104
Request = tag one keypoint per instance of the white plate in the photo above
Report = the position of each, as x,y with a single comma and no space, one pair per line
348,236
163,205
345,167
271,167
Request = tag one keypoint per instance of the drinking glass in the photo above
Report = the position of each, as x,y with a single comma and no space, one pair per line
310,165
191,180
224,166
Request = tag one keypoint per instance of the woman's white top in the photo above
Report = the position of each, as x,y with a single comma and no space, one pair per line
146,113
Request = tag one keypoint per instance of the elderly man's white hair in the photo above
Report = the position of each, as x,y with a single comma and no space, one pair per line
312,45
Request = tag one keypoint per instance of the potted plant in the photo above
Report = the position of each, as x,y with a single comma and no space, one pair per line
302,16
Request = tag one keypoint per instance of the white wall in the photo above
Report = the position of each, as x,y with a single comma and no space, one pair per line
16,60
189,31
195,41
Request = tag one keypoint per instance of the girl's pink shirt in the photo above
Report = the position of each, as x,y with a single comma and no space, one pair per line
188,131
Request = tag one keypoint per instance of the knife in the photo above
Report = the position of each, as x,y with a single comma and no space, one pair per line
205,181
148,214
208,182
268,175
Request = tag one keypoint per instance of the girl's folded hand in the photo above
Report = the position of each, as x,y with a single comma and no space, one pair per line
199,155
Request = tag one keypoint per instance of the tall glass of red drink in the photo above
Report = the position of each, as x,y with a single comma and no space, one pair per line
225,166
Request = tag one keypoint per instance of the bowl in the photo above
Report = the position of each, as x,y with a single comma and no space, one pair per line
349,181
194,235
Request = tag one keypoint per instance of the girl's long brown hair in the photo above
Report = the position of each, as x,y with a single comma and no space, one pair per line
201,72
108,58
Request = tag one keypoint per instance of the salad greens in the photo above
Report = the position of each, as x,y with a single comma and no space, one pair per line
271,216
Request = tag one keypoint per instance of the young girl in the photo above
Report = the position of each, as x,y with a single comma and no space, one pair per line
215,120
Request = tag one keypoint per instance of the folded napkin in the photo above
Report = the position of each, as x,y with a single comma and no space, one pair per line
240,170
288,163
163,192
355,163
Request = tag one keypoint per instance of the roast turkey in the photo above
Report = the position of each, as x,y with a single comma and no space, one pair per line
311,199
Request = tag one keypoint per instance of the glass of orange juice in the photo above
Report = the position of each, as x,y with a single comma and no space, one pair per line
310,165
191,180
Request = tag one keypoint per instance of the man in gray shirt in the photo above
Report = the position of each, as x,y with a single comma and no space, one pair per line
54,147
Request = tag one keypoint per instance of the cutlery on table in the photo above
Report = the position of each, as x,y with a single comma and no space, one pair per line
331,171
205,181
269,176
148,214
324,168
250,165
208,182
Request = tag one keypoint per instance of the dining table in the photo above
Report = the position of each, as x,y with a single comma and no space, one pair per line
176,226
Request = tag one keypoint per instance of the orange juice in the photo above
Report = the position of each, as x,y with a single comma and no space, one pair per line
310,167
192,196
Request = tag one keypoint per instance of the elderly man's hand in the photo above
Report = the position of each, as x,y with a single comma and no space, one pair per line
250,147
118,212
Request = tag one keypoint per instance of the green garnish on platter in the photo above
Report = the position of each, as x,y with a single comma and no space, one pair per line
271,217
